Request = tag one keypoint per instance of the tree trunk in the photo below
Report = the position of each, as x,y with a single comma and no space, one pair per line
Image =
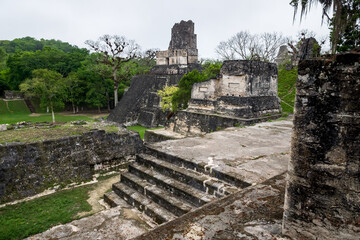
52,113
116,95
73,107
116,86
108,100
99,109
77,109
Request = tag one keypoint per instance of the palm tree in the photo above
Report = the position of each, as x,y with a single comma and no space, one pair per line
341,10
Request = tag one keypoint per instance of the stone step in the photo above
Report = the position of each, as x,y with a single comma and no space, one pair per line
113,199
202,168
175,187
197,180
158,195
156,212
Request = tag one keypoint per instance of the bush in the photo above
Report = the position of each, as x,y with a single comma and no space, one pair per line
181,97
183,94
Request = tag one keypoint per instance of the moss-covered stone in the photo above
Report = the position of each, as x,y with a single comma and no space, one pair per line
29,168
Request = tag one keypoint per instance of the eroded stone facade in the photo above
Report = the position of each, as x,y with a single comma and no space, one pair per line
323,191
182,48
239,91
140,104
245,93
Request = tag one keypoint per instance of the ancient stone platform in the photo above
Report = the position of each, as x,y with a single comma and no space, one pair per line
252,154
256,155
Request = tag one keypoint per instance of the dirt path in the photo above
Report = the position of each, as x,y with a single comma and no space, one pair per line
97,194
90,115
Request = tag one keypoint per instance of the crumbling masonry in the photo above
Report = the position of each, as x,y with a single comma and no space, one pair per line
140,104
323,190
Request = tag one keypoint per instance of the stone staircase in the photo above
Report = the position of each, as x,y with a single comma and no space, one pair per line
29,105
165,187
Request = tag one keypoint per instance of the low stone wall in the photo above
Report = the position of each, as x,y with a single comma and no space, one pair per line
193,123
323,190
29,168
244,107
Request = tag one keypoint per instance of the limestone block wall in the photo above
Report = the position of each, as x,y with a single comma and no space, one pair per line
323,191
176,56
205,90
29,168
241,79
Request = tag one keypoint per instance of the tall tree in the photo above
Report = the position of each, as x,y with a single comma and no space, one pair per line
115,52
75,90
245,45
48,86
343,15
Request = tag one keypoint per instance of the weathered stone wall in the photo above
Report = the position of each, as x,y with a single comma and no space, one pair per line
29,168
193,123
182,36
241,79
182,48
323,191
244,107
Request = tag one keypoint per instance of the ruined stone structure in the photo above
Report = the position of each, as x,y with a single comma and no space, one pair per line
29,168
245,93
141,104
283,55
13,94
182,47
309,49
323,190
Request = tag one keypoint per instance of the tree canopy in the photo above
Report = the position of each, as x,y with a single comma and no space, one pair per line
48,86
115,51
88,81
31,44
247,46
345,20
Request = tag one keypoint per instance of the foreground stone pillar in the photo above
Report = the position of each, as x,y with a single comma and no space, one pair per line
323,191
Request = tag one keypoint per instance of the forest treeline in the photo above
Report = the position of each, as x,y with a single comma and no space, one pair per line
88,81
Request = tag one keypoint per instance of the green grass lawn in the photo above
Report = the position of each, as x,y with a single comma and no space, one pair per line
16,111
35,216
19,117
141,130
287,88
13,107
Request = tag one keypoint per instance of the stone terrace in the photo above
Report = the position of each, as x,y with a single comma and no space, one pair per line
257,155
251,154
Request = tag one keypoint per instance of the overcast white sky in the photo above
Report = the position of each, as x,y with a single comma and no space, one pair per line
149,22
